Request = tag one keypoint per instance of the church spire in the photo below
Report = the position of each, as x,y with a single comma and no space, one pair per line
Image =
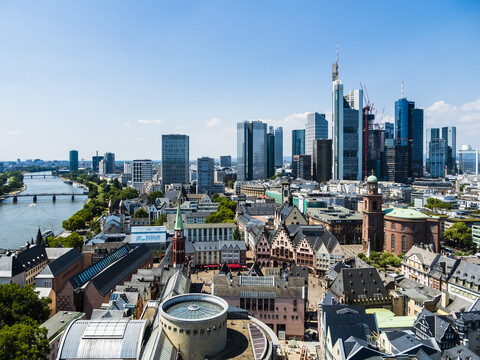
179,220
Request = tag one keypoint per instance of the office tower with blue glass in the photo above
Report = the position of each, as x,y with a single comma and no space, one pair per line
225,161
449,134
316,127
437,150
409,132
175,159
278,132
271,147
468,160
205,174
251,150
109,163
73,157
95,161
298,142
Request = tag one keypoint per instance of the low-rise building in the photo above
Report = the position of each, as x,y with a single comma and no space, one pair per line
275,300
216,252
464,281
24,266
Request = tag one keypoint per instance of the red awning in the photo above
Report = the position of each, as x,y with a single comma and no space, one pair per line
234,266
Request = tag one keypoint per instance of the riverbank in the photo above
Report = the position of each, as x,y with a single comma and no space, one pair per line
24,187
75,183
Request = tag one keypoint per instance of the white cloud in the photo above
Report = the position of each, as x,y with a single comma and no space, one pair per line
154,121
212,122
465,117
14,132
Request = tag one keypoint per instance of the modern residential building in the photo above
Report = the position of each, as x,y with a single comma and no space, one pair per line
251,150
347,133
315,128
298,142
468,160
322,160
142,171
225,161
127,167
449,134
437,150
409,130
278,147
175,159
73,164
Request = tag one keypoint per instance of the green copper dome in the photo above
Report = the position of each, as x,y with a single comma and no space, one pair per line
372,178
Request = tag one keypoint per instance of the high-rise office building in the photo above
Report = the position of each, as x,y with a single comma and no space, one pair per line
73,157
316,127
468,160
430,134
109,163
449,134
95,161
175,159
251,150
278,147
397,161
270,154
437,150
142,171
127,167
322,160
303,167
205,174
347,133
225,161
409,130
298,142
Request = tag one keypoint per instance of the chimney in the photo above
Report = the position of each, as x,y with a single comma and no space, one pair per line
445,298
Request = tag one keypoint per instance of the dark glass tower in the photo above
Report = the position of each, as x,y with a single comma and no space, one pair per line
73,160
298,142
251,150
175,157
409,132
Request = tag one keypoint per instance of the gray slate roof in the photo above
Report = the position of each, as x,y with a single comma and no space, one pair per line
356,282
60,264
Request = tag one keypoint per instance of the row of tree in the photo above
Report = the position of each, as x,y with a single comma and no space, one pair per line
10,181
225,213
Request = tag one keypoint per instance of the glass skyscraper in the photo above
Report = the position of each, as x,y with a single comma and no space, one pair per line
175,159
251,150
298,142
278,147
315,128
437,157
409,131
109,163
205,174
73,158
449,134
468,160
271,148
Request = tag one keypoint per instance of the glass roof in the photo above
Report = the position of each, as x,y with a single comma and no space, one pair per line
196,309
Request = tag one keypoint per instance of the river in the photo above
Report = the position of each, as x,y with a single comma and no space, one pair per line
19,222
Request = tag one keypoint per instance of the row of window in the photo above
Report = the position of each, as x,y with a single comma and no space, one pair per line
207,331
276,317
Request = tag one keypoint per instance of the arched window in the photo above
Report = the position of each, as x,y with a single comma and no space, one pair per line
404,243
393,242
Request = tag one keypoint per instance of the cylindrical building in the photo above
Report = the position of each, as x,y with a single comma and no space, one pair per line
196,324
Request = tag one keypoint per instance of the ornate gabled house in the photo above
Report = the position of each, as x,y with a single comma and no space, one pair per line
430,325
417,263
440,271
289,215
283,248
263,247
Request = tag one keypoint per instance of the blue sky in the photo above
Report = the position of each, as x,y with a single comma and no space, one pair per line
116,75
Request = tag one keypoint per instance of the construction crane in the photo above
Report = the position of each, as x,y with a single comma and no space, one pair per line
369,110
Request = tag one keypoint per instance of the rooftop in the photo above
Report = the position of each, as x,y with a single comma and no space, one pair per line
402,213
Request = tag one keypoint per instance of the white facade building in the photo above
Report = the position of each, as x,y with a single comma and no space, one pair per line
142,171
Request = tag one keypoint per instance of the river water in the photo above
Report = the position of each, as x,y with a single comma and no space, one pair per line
20,222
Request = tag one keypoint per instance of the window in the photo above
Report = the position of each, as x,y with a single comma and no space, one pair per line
415,228
393,242
384,224
393,226
404,227
404,243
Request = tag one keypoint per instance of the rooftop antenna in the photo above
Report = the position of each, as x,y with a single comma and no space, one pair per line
402,89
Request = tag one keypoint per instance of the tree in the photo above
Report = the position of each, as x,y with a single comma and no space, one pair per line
22,311
153,196
116,184
129,193
71,241
140,213
21,304
162,218
460,235
433,203
24,341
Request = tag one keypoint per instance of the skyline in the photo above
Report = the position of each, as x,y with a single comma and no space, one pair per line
114,77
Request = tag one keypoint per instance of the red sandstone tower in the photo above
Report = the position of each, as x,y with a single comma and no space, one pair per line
372,231
178,241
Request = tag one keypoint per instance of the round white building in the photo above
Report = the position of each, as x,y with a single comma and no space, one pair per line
196,324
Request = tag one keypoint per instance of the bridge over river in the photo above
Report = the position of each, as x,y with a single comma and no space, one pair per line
36,196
